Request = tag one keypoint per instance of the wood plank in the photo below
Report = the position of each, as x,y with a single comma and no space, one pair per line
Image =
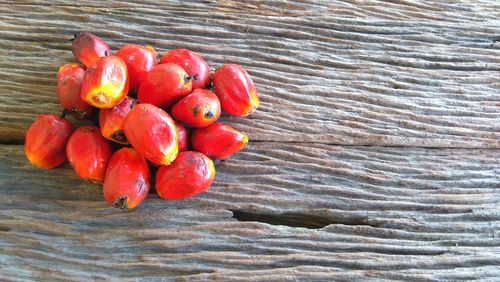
374,213
339,72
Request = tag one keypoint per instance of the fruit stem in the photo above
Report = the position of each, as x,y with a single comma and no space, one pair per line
105,53
209,114
120,202
74,37
189,78
119,136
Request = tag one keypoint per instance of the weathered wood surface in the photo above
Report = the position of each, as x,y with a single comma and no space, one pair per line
386,213
371,73
300,203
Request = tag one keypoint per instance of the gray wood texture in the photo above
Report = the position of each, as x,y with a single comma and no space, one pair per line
372,213
375,154
399,74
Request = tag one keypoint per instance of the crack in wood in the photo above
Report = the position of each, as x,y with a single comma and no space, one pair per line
13,142
298,219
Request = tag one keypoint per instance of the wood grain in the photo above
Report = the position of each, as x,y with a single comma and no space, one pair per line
388,213
398,73
311,198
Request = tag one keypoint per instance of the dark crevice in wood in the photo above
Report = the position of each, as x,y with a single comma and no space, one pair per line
13,142
296,219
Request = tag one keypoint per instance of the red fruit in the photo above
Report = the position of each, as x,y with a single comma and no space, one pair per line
201,108
190,174
139,60
69,84
192,63
88,48
45,141
164,85
183,137
105,83
152,132
235,90
218,141
127,179
111,120
88,153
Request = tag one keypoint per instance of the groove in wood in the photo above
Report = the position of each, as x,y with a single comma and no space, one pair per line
377,73
388,213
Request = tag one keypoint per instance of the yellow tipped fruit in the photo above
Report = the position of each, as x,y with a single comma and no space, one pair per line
45,141
236,91
152,132
105,83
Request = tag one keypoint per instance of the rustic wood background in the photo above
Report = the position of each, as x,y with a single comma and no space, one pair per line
375,153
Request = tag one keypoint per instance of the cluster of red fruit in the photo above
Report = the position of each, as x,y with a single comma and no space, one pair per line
178,84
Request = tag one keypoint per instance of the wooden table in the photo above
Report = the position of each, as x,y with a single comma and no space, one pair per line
375,153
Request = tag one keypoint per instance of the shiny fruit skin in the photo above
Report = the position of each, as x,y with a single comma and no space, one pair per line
45,141
88,48
199,109
105,83
183,137
111,120
139,60
69,85
192,63
236,91
164,85
152,132
190,174
218,141
127,179
89,153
